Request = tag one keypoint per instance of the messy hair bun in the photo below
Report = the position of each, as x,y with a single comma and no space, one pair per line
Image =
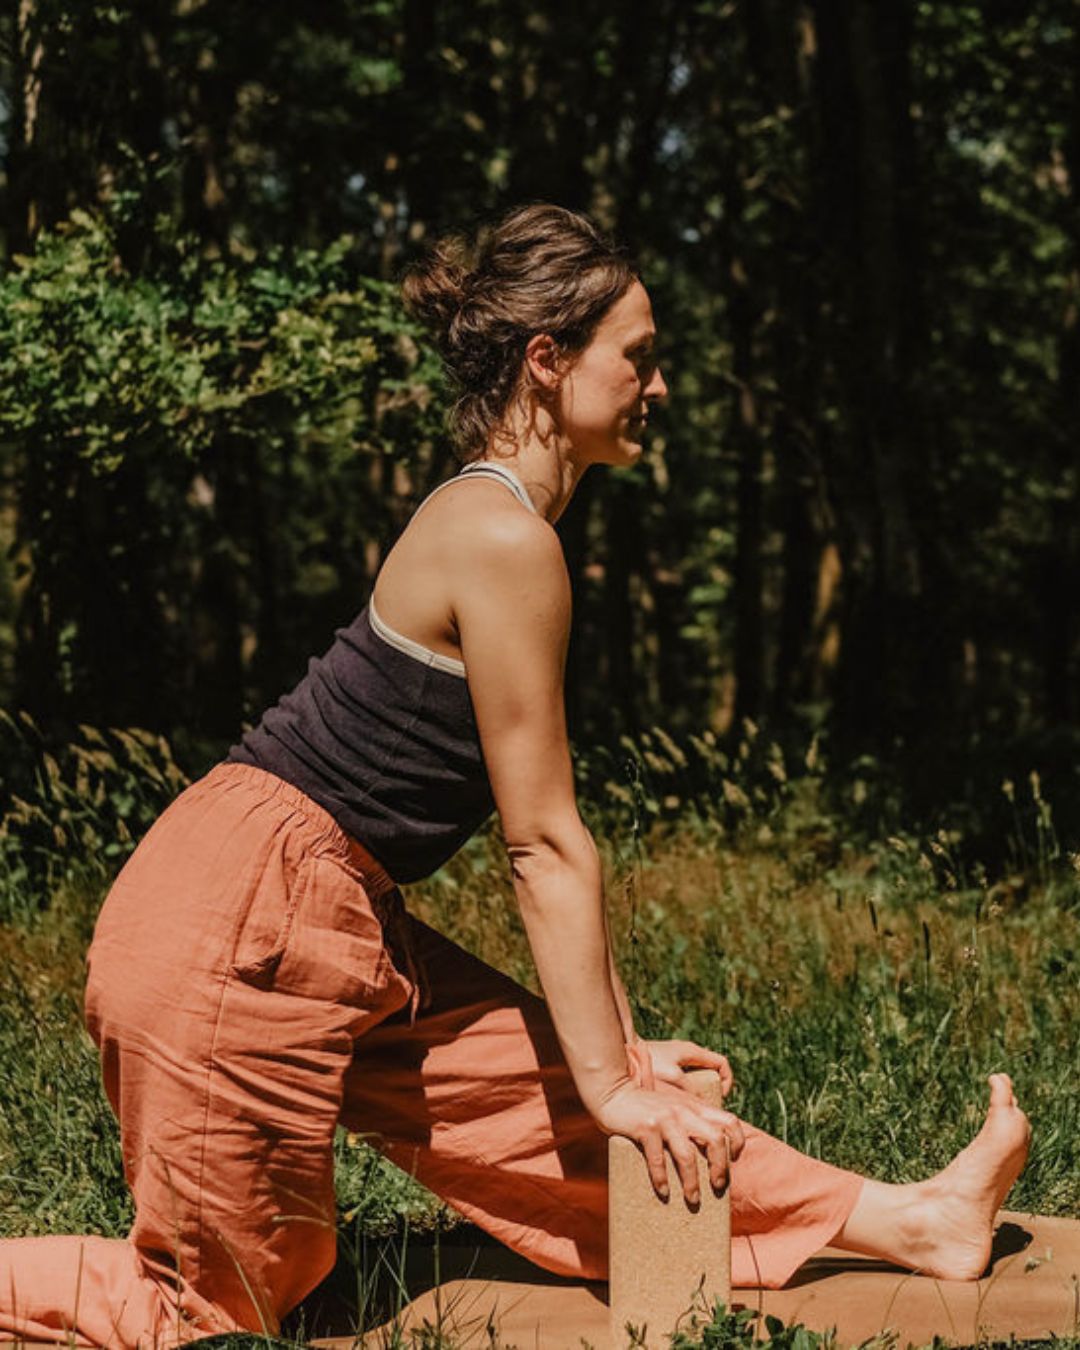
540,269
435,290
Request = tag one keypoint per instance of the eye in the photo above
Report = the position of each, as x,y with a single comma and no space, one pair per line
642,356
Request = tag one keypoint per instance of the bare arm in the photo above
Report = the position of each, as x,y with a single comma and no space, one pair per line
513,628
512,609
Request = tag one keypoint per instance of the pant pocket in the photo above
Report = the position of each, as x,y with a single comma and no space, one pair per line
336,949
266,928
321,938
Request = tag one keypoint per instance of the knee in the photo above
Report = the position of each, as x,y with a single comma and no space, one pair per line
308,1263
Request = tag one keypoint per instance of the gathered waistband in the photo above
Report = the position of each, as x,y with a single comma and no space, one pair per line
331,837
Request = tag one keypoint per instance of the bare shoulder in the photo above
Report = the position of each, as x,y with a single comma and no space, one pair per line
473,558
484,527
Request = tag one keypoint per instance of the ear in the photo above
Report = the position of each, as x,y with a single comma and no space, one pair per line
543,360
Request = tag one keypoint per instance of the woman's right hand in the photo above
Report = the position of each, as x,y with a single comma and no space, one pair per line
672,1120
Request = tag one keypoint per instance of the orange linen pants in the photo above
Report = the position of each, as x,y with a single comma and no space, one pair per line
251,985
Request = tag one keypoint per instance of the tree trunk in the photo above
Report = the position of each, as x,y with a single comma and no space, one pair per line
1061,567
25,168
780,48
209,103
868,184
413,159
745,436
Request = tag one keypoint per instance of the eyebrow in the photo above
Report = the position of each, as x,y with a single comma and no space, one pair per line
641,339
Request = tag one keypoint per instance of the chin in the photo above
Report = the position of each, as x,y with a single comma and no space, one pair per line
617,454
631,452
621,458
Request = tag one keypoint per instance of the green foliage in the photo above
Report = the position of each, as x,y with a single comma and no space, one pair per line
375,1196
737,1329
197,450
859,507
59,1148
832,969
107,366
831,965
722,781
73,814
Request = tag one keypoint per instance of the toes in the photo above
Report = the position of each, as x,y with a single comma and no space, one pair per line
1001,1090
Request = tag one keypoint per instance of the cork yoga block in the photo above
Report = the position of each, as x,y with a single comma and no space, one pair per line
666,1259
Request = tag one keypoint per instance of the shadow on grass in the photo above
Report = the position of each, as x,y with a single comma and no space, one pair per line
376,1278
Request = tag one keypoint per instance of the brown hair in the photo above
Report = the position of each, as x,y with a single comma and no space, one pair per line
539,269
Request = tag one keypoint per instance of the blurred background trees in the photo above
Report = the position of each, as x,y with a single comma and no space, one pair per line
860,226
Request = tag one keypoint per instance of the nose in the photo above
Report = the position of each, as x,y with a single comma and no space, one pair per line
657,386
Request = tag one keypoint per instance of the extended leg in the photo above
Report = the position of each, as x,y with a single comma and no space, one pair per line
475,1099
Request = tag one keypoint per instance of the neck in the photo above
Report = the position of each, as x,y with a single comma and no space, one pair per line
545,463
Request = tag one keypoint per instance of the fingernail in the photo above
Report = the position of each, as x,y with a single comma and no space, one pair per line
664,1192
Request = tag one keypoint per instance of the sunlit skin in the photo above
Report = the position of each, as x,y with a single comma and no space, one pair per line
477,577
603,396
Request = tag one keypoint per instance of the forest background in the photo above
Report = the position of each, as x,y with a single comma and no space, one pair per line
857,517
823,675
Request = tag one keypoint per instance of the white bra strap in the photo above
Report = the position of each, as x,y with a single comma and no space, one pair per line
417,650
488,468
485,468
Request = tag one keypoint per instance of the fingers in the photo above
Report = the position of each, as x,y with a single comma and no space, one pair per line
713,1121
718,1134
727,1078
723,1125
717,1155
690,1055
685,1157
694,1056
666,1135
652,1146
736,1135
721,1147
672,1123
697,1057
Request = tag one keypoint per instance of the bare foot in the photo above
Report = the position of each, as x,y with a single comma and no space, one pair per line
944,1226
962,1201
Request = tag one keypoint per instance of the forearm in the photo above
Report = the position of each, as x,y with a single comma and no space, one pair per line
559,890
622,1001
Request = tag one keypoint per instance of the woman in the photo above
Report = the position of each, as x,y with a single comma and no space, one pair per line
254,979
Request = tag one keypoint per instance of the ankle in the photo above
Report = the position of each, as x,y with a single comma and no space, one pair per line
887,1221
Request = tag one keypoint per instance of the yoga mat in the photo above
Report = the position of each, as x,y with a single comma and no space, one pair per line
479,1290
1031,1290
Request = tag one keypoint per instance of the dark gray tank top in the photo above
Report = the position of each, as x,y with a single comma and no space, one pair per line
381,732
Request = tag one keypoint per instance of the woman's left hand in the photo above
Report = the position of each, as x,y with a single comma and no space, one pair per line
671,1058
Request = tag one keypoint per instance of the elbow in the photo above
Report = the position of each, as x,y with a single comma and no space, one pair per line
545,854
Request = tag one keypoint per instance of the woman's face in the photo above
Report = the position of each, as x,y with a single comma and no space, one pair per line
604,399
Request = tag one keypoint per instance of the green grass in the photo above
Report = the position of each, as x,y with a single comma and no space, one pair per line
862,989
